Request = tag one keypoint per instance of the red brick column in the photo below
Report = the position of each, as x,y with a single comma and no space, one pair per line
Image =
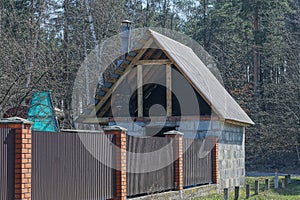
22,156
178,154
23,163
120,154
215,158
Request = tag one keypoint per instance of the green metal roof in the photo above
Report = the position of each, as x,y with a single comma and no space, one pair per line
41,113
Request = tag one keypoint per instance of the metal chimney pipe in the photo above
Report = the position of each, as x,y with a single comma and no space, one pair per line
126,25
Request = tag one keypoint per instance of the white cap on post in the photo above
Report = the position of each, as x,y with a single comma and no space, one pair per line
173,133
114,128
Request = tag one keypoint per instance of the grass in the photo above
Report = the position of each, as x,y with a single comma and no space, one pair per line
291,192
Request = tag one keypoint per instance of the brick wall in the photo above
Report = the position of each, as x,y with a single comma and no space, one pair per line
22,165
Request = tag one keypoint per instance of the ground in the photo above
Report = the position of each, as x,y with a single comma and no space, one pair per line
291,192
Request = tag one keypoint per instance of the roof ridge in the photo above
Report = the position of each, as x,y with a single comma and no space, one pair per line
168,38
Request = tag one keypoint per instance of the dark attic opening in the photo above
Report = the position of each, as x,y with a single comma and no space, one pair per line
154,96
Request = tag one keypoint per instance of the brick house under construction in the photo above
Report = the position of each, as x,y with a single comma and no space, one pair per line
163,85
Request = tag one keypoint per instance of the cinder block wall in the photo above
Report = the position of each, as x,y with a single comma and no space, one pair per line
232,156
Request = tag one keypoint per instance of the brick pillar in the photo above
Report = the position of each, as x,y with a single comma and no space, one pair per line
120,154
215,159
23,163
22,190
178,154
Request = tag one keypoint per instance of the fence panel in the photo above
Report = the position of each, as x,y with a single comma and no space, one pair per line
64,169
152,181
197,166
7,163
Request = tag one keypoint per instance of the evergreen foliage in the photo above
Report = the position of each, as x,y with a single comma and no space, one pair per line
255,44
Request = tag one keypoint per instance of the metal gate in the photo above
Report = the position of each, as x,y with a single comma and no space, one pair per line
197,167
153,181
66,168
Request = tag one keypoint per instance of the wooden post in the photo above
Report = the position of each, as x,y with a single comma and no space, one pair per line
267,184
247,191
286,180
256,187
282,183
289,179
120,156
276,180
225,193
179,159
236,192
169,89
140,90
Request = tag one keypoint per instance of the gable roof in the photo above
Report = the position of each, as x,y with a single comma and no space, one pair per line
208,86
192,68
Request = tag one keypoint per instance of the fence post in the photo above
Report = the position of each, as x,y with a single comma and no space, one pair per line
247,191
289,179
225,193
267,184
120,155
179,158
276,180
256,187
22,171
286,180
236,192
282,183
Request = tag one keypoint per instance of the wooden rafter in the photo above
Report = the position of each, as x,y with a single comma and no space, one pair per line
128,68
188,79
149,53
154,62
104,109
155,55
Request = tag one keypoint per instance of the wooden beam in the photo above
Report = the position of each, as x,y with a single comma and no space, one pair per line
187,78
149,53
154,56
105,89
154,62
169,89
112,80
105,108
128,68
142,41
140,90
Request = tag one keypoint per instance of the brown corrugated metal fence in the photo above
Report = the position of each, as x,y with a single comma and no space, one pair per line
63,168
7,163
152,181
197,165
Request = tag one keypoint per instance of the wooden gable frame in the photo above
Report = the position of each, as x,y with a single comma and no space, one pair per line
146,55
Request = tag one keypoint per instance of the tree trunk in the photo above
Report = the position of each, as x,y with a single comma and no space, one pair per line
255,48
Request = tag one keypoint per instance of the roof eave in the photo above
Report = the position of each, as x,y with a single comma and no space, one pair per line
240,123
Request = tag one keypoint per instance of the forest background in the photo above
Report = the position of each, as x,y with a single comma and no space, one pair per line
254,43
